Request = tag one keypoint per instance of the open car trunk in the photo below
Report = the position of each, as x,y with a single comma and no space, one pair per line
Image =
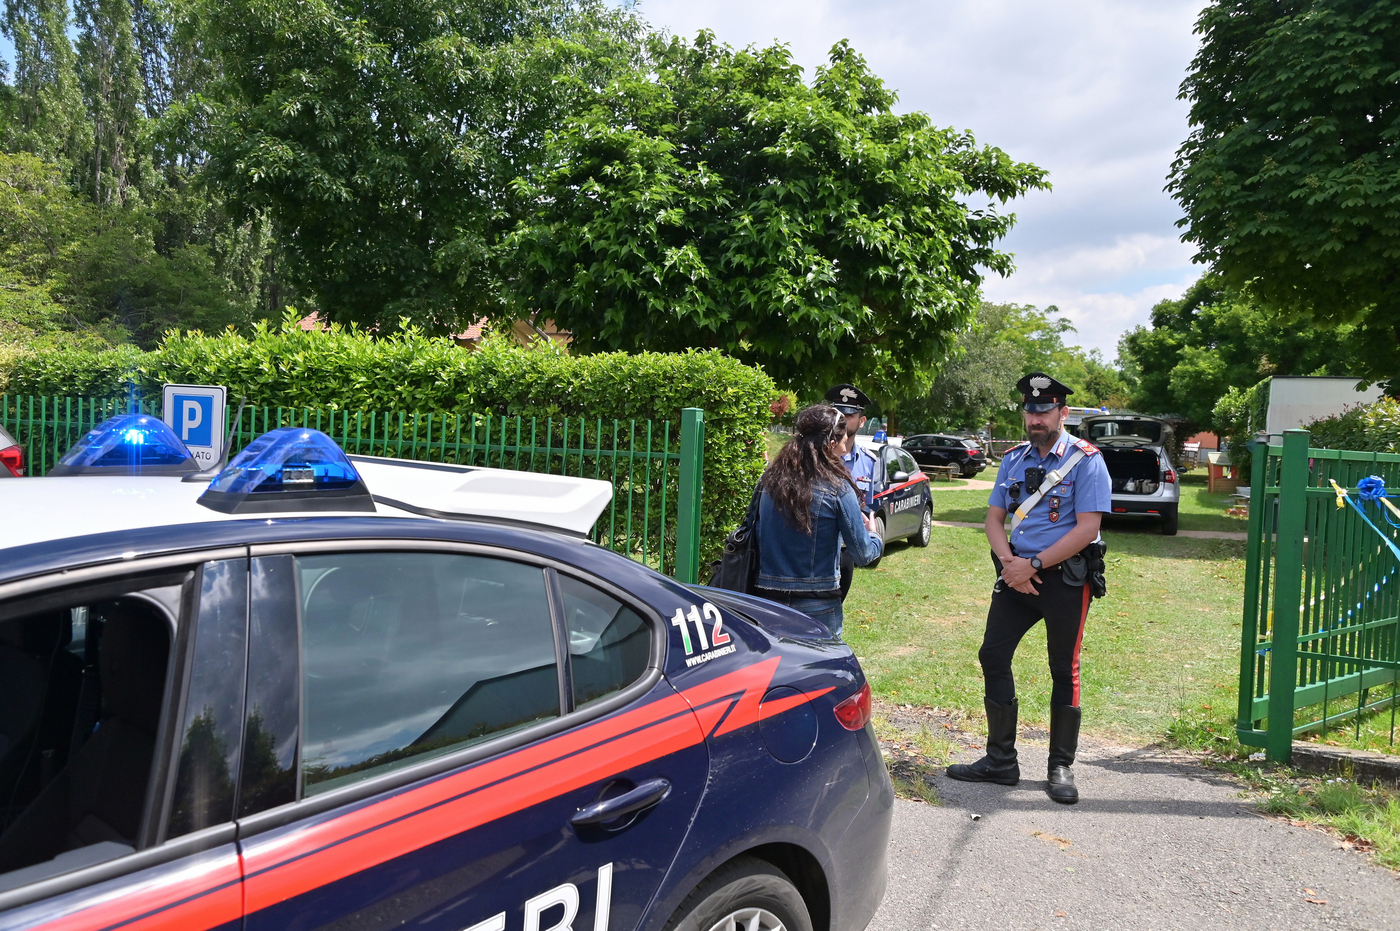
1134,470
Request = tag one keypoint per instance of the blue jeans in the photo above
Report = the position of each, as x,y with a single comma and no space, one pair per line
826,610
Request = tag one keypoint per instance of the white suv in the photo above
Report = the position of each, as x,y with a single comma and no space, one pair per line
1134,448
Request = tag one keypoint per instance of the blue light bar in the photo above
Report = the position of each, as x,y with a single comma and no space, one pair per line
289,469
127,444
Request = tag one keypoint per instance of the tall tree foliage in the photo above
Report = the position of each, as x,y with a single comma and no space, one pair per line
47,116
1215,338
382,136
977,386
719,200
1290,178
110,72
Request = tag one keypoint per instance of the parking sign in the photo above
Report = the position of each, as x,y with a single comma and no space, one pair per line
196,414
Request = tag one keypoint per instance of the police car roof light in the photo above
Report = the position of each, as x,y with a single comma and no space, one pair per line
127,444
288,469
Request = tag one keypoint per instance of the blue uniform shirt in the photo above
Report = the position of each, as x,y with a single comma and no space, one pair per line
1086,488
861,463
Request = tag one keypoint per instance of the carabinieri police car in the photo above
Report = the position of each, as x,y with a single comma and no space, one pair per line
320,691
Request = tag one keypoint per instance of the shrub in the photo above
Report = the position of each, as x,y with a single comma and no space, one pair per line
1368,428
351,370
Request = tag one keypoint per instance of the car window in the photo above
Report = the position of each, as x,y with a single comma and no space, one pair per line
410,655
1149,430
609,643
82,687
907,463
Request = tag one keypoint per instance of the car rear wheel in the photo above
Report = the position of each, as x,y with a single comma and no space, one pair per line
1169,521
925,531
745,894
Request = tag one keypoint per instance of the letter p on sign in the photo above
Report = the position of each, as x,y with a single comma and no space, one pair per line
192,417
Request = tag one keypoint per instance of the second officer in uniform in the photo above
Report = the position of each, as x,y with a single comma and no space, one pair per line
858,460
1058,489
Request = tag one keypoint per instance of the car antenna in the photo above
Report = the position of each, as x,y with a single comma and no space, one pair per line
211,473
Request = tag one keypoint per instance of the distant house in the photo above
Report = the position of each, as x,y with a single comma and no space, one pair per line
522,331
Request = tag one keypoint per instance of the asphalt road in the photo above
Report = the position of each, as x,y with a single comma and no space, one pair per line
1155,844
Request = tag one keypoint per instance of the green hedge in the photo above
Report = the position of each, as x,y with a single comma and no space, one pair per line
408,371
1372,428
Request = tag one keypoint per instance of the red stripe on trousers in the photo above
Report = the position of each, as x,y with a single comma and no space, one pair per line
1079,642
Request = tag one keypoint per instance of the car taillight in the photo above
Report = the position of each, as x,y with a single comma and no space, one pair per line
854,712
12,458
1169,476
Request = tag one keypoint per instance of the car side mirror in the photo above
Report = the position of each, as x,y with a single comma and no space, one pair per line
900,477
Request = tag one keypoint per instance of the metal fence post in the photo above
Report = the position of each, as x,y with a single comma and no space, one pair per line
1253,566
1288,593
688,498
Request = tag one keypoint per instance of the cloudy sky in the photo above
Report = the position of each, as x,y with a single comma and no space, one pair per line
1084,88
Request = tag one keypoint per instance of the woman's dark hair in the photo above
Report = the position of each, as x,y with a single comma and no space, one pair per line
806,461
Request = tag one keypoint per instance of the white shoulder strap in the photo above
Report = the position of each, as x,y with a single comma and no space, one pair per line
1051,480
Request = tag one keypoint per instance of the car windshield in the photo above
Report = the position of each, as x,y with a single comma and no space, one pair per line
1142,428
916,442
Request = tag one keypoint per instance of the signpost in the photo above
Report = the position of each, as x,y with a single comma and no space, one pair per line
196,414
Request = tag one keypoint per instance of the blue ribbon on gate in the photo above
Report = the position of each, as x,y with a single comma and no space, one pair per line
1371,488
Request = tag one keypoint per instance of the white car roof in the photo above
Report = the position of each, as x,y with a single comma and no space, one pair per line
37,510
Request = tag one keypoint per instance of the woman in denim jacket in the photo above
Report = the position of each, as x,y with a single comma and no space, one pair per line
808,506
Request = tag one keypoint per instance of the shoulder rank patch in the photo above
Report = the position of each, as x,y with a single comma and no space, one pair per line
1089,448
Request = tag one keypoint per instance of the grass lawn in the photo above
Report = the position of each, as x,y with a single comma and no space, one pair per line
1199,509
1163,643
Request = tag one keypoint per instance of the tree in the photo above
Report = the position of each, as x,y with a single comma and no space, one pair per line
48,106
67,264
718,200
1215,338
382,136
978,385
110,72
1289,178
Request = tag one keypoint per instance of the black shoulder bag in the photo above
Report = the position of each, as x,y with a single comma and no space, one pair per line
737,567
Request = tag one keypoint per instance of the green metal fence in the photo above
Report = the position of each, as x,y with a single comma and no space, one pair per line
655,468
1322,596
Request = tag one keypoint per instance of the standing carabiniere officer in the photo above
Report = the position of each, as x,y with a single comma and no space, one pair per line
1058,488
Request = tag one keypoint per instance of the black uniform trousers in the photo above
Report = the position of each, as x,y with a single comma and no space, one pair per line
1064,609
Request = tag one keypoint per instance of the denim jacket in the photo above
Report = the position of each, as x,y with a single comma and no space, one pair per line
792,561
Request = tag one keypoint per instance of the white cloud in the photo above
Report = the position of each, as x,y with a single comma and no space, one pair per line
1084,88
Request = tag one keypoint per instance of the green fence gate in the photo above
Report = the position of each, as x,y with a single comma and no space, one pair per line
655,468
1321,598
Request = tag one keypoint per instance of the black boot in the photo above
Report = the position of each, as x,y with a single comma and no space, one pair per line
999,765
1064,742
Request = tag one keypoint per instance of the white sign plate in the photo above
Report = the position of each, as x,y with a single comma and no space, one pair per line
196,414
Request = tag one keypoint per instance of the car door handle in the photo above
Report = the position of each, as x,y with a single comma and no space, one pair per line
645,795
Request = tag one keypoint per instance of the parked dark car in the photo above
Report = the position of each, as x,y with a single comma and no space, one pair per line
940,449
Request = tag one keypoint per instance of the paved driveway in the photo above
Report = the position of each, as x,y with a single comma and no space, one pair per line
1155,844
